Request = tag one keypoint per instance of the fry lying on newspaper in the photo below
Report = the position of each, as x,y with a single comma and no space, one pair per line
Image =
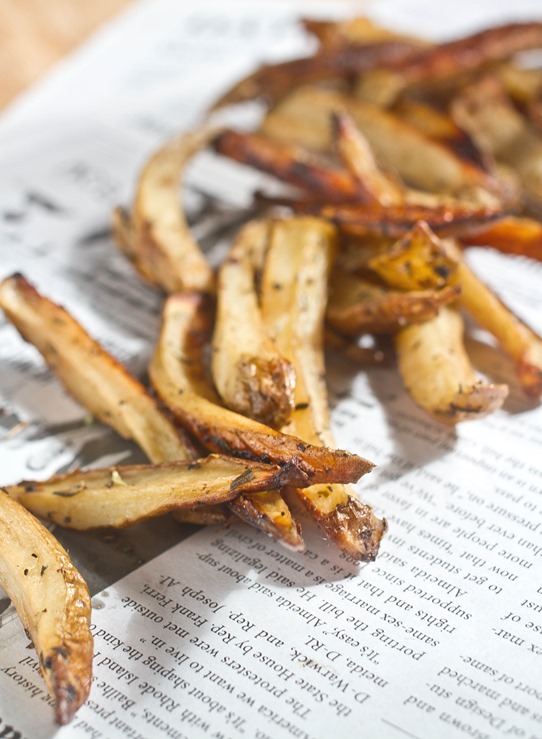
397,155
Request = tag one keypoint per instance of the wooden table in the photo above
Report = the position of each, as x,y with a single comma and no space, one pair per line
36,33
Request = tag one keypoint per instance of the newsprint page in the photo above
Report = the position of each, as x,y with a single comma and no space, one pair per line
219,632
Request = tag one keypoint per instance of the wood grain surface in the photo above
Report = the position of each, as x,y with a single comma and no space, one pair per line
34,34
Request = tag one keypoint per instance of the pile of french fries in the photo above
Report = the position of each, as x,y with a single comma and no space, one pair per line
396,155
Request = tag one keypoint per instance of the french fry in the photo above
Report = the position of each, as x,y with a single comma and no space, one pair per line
358,158
521,236
394,221
418,261
156,237
517,339
53,603
438,374
358,306
122,496
250,374
91,375
452,61
275,80
294,295
221,430
486,112
290,164
303,118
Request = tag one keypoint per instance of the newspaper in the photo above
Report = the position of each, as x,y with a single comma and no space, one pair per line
224,633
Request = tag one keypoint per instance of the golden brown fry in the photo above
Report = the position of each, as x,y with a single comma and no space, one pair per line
516,338
486,112
156,237
294,295
418,261
438,374
358,306
122,496
275,80
289,164
91,375
221,430
521,236
249,373
303,118
53,603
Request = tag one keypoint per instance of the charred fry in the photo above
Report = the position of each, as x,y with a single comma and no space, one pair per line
53,603
289,164
394,221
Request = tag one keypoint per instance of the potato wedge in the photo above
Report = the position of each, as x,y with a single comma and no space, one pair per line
122,496
418,261
91,375
358,306
294,296
250,374
53,603
156,237
438,374
222,430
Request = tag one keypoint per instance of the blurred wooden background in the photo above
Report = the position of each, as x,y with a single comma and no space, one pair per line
36,33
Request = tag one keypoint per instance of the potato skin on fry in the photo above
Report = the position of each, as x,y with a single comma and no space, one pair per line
53,603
